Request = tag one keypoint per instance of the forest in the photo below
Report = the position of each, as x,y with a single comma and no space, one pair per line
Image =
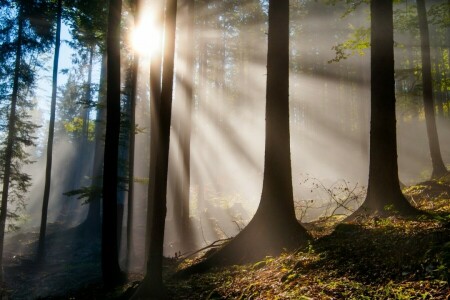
253,149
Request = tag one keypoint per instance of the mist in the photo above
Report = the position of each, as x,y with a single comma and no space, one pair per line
329,124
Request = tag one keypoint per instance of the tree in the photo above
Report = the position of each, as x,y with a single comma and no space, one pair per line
110,250
92,222
152,285
136,4
383,193
26,30
51,131
155,103
183,126
11,134
274,226
439,168
88,23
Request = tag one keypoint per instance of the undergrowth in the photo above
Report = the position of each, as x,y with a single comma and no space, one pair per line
374,258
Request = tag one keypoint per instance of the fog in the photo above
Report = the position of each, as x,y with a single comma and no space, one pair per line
330,108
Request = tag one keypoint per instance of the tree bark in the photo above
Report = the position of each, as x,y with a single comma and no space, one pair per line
155,103
51,131
110,252
181,168
11,137
439,168
274,228
152,285
92,223
383,194
132,135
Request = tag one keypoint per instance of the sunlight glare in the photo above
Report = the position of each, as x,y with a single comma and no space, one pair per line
145,37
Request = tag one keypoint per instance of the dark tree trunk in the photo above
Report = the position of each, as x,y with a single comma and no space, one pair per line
152,285
383,187
11,137
439,168
274,226
92,223
132,135
51,131
110,252
155,103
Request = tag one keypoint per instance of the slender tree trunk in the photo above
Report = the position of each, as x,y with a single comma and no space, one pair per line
85,130
180,168
51,131
11,137
110,252
152,285
383,188
154,265
155,103
93,220
132,135
439,168
185,134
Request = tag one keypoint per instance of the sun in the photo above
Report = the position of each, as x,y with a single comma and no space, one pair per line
146,36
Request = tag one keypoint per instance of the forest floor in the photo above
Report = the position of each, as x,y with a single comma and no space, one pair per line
388,258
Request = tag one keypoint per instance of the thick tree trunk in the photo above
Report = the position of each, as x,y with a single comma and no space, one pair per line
383,188
274,227
10,138
110,252
51,131
439,168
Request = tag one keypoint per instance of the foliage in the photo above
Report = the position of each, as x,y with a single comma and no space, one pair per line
36,37
75,127
357,43
439,14
87,21
338,198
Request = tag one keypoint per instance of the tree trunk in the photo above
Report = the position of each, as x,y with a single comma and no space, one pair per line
184,123
274,227
51,131
132,135
155,103
187,128
439,168
383,188
152,285
110,254
92,223
11,136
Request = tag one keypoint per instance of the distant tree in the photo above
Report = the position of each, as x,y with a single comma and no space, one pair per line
152,285
183,125
274,226
87,21
91,224
48,168
110,251
439,168
26,31
132,94
383,193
